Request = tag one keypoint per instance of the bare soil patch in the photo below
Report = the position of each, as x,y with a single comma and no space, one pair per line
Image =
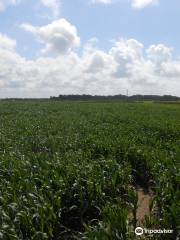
144,200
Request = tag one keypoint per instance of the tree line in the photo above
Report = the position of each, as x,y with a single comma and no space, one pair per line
85,97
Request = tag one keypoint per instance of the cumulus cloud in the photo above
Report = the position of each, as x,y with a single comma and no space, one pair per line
159,53
59,37
10,63
7,43
97,61
125,65
125,52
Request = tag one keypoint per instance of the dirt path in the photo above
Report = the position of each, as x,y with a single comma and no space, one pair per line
144,200
143,206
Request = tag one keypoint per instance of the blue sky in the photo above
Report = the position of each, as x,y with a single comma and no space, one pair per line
122,28
150,25
153,24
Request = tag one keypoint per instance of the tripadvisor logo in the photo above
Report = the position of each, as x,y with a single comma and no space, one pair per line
139,231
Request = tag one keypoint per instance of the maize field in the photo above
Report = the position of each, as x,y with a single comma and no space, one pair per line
72,170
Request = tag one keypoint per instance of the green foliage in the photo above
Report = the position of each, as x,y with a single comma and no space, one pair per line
113,226
66,169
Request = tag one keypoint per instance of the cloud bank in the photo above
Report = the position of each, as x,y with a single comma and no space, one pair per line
126,65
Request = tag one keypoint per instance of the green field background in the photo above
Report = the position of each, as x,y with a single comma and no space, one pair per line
68,170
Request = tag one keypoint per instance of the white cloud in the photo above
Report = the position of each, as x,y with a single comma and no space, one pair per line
53,5
59,37
126,65
171,69
126,52
143,3
7,43
159,53
139,4
10,63
97,61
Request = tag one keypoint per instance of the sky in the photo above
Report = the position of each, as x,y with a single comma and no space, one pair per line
98,47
